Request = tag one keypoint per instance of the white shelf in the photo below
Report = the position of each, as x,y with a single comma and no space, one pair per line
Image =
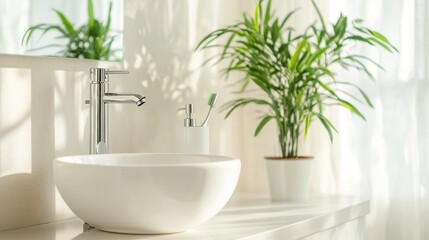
245,218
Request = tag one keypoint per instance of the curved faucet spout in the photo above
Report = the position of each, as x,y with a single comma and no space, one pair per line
124,98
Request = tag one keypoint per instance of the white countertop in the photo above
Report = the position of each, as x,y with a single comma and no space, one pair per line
245,218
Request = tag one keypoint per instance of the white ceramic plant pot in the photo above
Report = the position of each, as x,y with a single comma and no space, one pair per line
289,178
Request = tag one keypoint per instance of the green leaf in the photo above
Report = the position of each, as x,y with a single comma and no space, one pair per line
327,88
228,43
27,35
360,29
234,104
352,108
53,27
316,55
90,14
364,95
319,104
326,124
245,84
307,124
326,71
299,97
367,99
256,17
275,31
319,14
288,16
387,47
366,58
109,19
294,59
261,125
216,34
260,83
379,36
359,38
360,66
340,27
68,26
267,17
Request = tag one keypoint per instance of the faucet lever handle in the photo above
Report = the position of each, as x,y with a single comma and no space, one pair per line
117,72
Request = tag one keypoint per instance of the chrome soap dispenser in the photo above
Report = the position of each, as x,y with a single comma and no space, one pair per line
191,138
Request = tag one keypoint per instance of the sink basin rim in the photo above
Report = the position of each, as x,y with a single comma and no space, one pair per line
102,162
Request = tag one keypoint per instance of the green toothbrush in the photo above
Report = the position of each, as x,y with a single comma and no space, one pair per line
212,103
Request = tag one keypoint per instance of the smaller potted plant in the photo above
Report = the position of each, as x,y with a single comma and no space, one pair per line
296,76
92,40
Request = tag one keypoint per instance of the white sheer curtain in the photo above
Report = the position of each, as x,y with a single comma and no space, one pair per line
387,157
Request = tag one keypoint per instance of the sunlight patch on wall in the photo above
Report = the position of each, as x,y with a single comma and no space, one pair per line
138,62
15,121
60,121
71,113
82,93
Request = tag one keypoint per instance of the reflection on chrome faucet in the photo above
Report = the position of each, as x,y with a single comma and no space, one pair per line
99,99
125,98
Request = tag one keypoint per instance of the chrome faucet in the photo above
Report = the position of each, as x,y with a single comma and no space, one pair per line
99,99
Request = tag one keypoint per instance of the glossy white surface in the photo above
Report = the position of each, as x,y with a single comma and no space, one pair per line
146,193
248,218
192,140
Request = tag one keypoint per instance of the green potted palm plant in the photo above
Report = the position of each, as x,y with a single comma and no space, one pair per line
295,73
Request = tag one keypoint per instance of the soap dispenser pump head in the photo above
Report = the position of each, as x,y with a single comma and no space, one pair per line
189,121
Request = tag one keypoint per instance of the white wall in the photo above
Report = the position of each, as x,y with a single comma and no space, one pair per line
42,114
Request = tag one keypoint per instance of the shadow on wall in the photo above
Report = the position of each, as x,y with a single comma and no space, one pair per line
162,54
15,120
157,50
160,37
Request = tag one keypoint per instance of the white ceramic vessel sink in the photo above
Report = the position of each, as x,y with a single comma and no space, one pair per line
146,193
